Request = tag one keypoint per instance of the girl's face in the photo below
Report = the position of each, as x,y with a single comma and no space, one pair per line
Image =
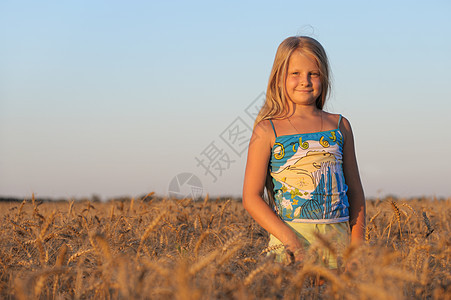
303,82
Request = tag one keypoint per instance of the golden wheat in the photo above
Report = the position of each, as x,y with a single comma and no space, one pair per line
153,248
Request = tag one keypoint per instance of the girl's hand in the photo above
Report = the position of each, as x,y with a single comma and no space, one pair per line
295,250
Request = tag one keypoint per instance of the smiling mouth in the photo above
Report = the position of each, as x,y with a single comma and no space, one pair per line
304,91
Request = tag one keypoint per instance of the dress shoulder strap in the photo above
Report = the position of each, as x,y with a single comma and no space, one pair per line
272,124
339,120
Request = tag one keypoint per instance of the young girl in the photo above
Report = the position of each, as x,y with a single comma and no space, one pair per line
304,157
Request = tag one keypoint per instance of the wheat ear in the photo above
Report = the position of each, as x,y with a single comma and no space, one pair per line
203,263
428,224
250,278
149,230
271,248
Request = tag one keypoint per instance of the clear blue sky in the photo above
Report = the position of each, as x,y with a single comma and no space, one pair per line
119,97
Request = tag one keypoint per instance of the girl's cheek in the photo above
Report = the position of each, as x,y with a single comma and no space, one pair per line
291,82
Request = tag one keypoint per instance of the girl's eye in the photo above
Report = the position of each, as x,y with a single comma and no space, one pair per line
315,74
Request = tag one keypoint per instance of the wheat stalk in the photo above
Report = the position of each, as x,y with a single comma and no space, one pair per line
103,247
157,268
397,216
250,278
326,243
200,240
370,291
320,272
347,253
367,233
2,263
152,226
19,211
149,230
375,216
42,253
58,264
232,241
271,248
132,202
205,201
71,206
199,220
78,254
78,282
428,224
229,254
203,263
40,277
147,196
410,207
112,213
222,211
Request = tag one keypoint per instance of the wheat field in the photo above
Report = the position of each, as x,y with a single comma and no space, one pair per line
153,248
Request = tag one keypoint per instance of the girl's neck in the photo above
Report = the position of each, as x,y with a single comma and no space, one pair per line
300,111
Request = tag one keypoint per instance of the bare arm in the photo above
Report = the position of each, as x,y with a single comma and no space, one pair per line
254,182
356,197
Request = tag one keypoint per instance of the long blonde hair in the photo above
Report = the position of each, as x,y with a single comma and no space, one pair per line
277,103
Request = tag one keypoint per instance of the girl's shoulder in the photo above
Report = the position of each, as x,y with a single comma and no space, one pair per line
336,119
265,132
343,124
332,118
264,127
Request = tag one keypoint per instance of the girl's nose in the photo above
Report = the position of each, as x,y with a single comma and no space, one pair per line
304,81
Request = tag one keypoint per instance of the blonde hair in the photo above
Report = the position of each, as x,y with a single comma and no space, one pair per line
277,103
